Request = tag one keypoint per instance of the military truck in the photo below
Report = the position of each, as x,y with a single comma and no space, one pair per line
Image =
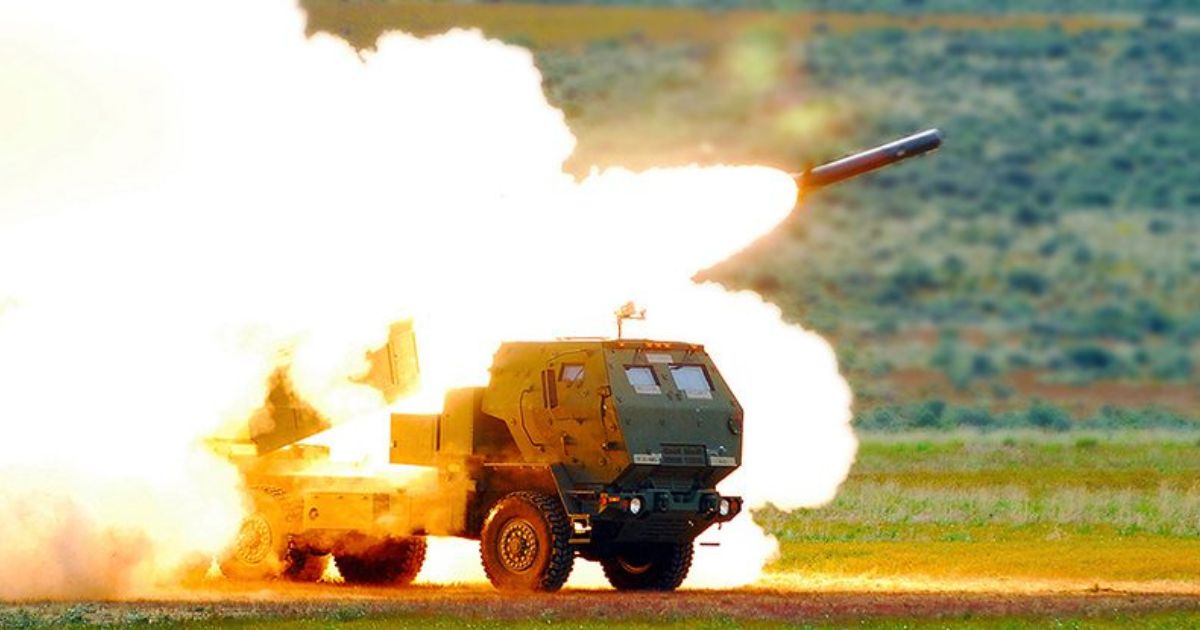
606,449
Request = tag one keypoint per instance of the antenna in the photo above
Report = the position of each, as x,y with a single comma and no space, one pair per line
628,310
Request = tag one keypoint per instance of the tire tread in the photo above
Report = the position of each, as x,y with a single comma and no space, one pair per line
562,555
666,574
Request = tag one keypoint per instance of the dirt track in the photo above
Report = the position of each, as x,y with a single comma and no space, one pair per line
290,601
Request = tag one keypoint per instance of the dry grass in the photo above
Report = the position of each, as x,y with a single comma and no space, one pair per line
1101,559
1099,508
464,608
1125,511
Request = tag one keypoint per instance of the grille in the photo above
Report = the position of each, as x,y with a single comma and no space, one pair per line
683,455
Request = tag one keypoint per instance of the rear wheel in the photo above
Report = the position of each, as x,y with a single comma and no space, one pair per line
392,561
260,550
304,566
526,543
648,566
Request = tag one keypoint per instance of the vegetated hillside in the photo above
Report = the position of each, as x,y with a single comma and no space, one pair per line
549,26
1039,270
904,6
901,7
1052,243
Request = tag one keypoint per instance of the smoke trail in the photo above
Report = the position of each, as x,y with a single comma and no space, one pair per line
192,191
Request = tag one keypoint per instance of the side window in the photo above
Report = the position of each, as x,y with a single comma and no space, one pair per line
571,373
642,379
692,380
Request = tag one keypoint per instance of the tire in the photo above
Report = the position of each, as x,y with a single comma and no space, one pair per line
526,543
304,566
648,566
260,550
393,561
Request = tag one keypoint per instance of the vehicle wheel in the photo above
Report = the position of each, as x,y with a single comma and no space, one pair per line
393,561
260,550
526,543
304,566
648,566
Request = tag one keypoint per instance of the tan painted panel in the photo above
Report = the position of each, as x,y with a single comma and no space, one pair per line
414,439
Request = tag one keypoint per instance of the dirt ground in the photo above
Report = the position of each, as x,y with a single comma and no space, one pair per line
230,602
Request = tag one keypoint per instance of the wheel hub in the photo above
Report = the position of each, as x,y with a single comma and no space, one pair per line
518,545
634,568
254,540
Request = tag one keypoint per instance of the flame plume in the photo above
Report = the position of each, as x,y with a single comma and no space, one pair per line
192,195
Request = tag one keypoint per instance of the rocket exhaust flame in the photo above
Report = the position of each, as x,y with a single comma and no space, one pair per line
330,573
195,196
214,570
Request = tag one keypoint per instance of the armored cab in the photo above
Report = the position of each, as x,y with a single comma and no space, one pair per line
620,443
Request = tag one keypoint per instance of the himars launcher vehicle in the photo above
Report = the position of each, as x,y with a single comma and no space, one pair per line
610,450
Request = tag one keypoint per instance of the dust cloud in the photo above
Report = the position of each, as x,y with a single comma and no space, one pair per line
190,192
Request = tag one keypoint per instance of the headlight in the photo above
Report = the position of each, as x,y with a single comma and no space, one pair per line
724,507
635,505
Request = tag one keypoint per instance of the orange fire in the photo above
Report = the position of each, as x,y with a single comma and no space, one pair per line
330,573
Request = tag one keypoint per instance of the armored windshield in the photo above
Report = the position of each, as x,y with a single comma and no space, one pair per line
642,379
692,380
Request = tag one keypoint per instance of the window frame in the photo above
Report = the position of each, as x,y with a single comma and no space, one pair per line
562,373
691,393
653,376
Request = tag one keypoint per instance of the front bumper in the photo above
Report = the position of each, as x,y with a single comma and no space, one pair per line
652,516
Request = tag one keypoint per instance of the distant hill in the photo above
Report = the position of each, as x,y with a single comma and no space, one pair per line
1041,266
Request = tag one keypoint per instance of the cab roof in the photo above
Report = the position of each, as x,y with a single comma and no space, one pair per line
613,344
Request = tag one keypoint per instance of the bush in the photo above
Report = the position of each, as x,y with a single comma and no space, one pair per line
1093,358
982,366
1027,281
973,417
1172,363
1049,417
930,415
1110,417
879,419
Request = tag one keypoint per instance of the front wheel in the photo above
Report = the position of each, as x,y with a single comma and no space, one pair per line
526,543
648,566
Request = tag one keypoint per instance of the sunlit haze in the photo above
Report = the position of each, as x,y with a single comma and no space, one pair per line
193,194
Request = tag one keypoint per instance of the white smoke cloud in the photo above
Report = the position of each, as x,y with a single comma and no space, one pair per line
189,189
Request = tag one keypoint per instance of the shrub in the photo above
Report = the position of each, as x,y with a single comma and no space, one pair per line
973,417
1049,417
1093,358
1027,281
930,415
1110,417
982,366
878,419
1159,226
1172,363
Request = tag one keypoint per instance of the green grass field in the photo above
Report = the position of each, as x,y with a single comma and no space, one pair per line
1007,529
1104,508
564,611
